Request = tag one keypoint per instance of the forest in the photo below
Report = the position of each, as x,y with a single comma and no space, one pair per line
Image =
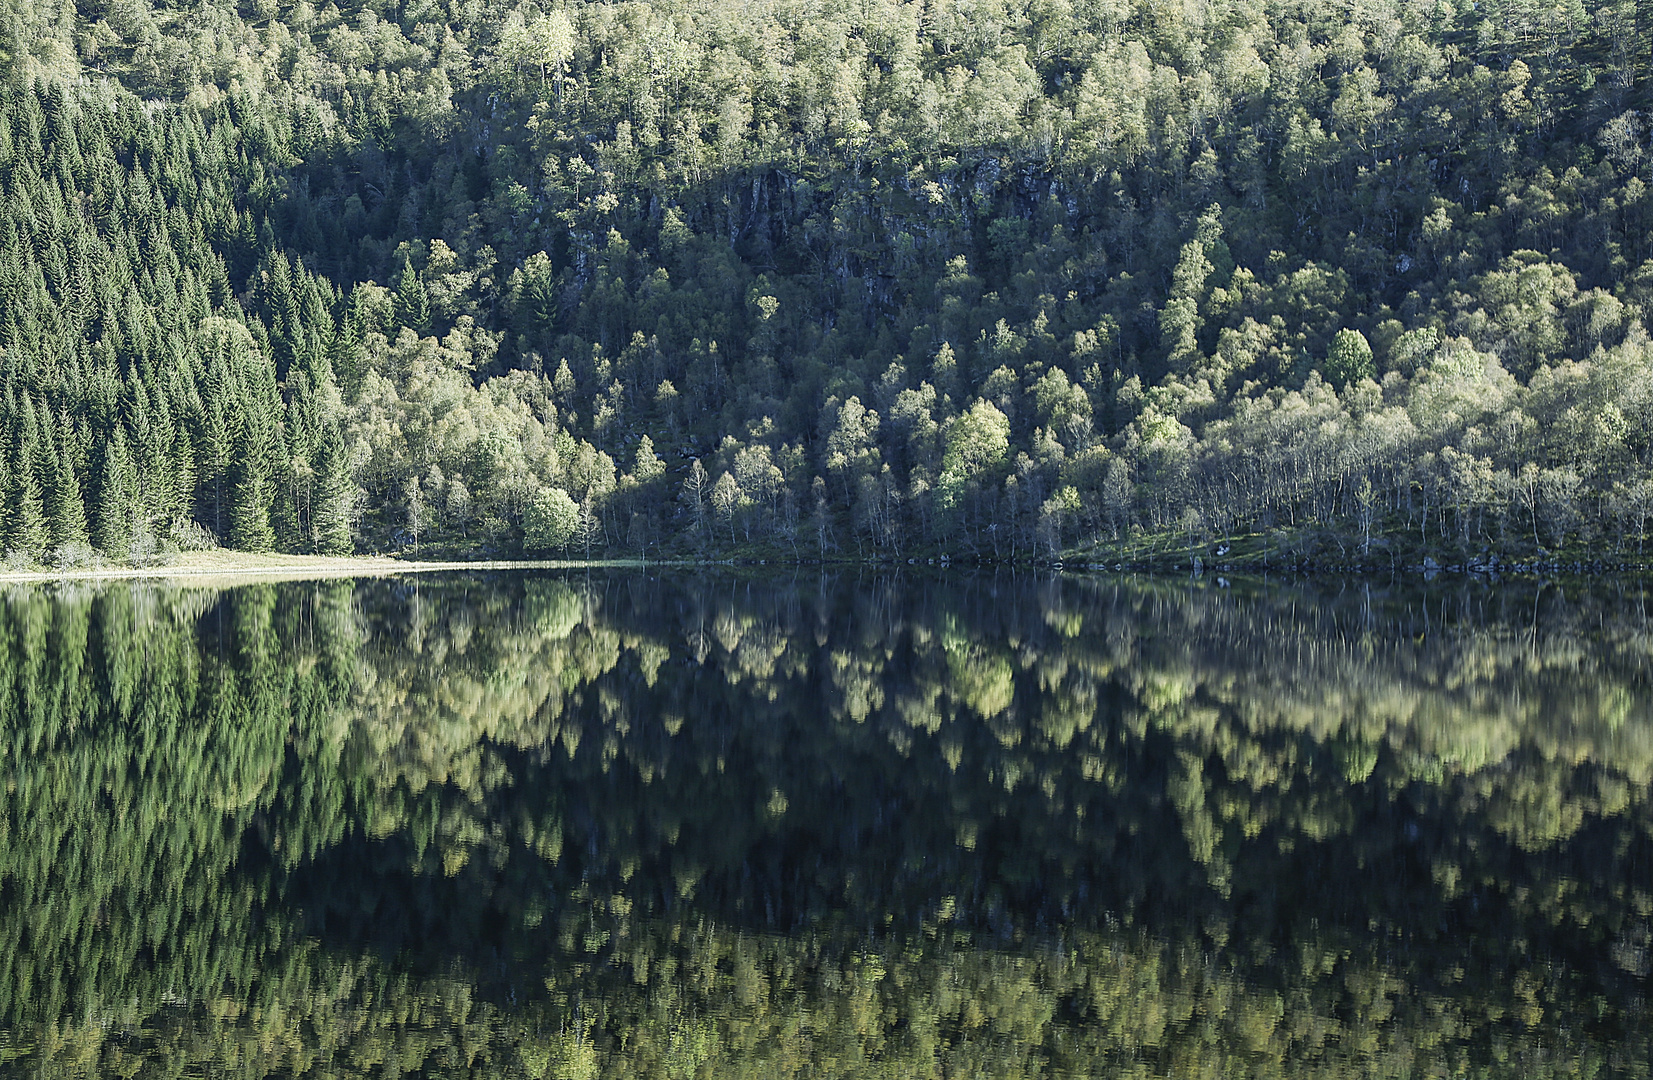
555,828
986,279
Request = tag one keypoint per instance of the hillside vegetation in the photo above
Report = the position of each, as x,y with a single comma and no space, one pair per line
993,278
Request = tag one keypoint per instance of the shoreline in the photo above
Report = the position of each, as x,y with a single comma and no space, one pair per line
248,567
223,567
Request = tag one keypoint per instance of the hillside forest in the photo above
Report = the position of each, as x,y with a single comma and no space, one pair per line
824,278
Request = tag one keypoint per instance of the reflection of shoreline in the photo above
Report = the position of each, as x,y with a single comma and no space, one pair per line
241,567
974,820
229,568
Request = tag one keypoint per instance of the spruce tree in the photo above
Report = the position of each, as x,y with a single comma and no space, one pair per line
27,536
250,497
344,354
117,496
143,438
182,464
283,308
66,510
6,507
335,497
412,302
250,510
216,448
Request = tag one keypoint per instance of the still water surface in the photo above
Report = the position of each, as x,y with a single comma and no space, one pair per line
835,826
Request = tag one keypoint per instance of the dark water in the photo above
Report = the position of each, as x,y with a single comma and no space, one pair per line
907,827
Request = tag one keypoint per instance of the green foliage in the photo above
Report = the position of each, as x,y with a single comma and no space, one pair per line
977,440
117,495
412,302
504,826
551,521
335,498
486,244
1349,359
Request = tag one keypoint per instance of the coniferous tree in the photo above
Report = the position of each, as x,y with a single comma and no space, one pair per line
293,477
117,495
335,497
412,301
7,510
28,535
215,446
344,355
181,464
250,499
66,511
283,308
158,479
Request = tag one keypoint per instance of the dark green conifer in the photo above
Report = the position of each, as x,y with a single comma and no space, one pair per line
251,495
66,511
27,536
117,495
6,508
412,302
344,357
283,309
335,497
182,464
215,444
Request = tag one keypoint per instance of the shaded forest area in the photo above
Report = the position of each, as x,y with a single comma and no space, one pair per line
922,827
818,278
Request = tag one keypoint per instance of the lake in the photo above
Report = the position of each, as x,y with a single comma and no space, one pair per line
825,825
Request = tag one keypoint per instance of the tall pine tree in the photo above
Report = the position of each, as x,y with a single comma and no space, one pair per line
66,514
27,537
252,491
117,495
412,302
335,497
6,507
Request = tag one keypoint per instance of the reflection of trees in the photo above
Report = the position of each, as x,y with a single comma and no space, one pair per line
908,827
146,732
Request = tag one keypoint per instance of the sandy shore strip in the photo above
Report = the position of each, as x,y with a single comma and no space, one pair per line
243,566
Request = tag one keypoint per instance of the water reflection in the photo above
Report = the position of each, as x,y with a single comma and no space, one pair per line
632,825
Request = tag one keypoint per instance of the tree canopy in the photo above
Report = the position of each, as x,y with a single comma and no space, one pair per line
373,274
